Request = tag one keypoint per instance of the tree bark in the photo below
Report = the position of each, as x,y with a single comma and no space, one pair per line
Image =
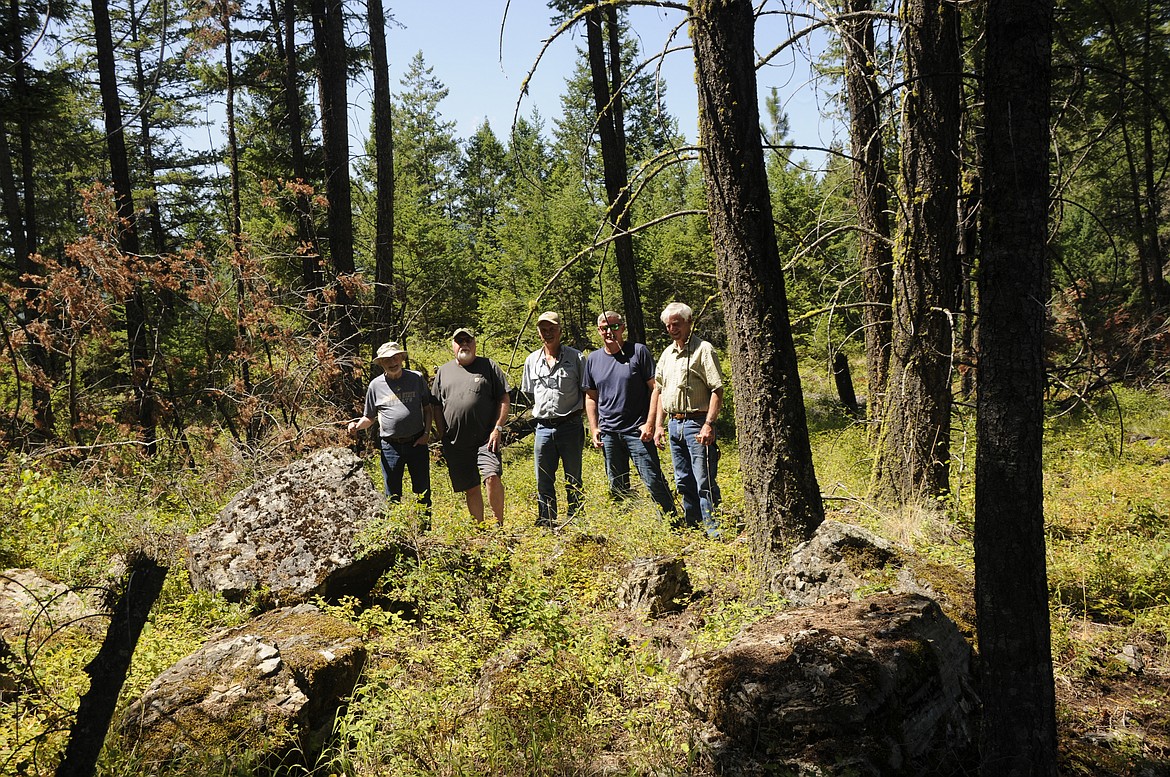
383,327
871,194
308,248
329,32
607,99
914,445
782,497
141,362
1011,590
23,224
243,337
1150,245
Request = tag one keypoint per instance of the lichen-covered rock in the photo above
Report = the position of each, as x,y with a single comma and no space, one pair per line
839,559
877,687
293,535
654,586
33,611
268,689
843,561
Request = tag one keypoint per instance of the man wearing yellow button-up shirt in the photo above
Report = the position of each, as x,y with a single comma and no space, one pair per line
688,391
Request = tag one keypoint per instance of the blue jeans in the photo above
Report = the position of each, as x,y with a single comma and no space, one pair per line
619,449
397,457
558,445
695,468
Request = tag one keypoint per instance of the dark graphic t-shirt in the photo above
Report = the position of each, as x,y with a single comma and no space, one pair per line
397,405
470,397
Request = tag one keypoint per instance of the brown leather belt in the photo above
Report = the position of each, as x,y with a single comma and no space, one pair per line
695,416
403,440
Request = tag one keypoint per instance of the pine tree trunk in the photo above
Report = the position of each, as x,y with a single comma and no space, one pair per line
383,327
108,669
1011,590
871,193
310,251
23,225
329,32
608,102
914,445
783,501
137,337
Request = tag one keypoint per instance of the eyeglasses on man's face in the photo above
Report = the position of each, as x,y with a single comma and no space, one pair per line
609,327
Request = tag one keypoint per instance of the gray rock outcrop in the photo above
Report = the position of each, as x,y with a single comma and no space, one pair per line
34,610
839,559
654,586
293,535
842,561
877,687
266,689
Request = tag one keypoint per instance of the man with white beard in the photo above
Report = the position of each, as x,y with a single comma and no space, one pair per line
473,393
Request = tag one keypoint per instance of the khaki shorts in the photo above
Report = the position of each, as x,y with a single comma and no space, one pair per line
468,466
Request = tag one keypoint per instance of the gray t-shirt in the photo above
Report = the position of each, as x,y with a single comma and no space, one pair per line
470,397
397,405
555,389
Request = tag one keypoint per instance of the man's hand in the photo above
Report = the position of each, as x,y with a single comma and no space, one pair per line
424,438
646,432
659,436
706,435
597,443
494,440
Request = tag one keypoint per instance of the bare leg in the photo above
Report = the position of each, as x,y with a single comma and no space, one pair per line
495,489
475,502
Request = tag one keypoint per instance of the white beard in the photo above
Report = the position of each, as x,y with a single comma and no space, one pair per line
464,357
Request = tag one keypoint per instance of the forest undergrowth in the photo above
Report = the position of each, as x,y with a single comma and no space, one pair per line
501,651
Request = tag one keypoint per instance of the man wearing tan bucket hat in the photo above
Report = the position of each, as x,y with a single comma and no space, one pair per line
400,401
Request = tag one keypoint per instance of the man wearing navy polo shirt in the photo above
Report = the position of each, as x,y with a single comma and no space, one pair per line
619,381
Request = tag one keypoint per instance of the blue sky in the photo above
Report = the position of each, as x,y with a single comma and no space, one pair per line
461,40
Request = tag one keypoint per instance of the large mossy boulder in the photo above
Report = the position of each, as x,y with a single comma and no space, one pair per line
881,686
294,535
265,692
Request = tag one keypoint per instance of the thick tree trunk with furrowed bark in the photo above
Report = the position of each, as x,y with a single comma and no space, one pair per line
1011,589
914,445
780,487
871,194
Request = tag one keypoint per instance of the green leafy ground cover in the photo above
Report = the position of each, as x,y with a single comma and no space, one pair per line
500,651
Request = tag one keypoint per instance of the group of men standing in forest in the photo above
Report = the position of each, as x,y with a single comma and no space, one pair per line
632,404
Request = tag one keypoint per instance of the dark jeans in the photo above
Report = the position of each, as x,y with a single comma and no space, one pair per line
398,456
619,449
695,468
558,445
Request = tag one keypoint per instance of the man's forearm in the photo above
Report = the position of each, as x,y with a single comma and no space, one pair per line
591,412
715,406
